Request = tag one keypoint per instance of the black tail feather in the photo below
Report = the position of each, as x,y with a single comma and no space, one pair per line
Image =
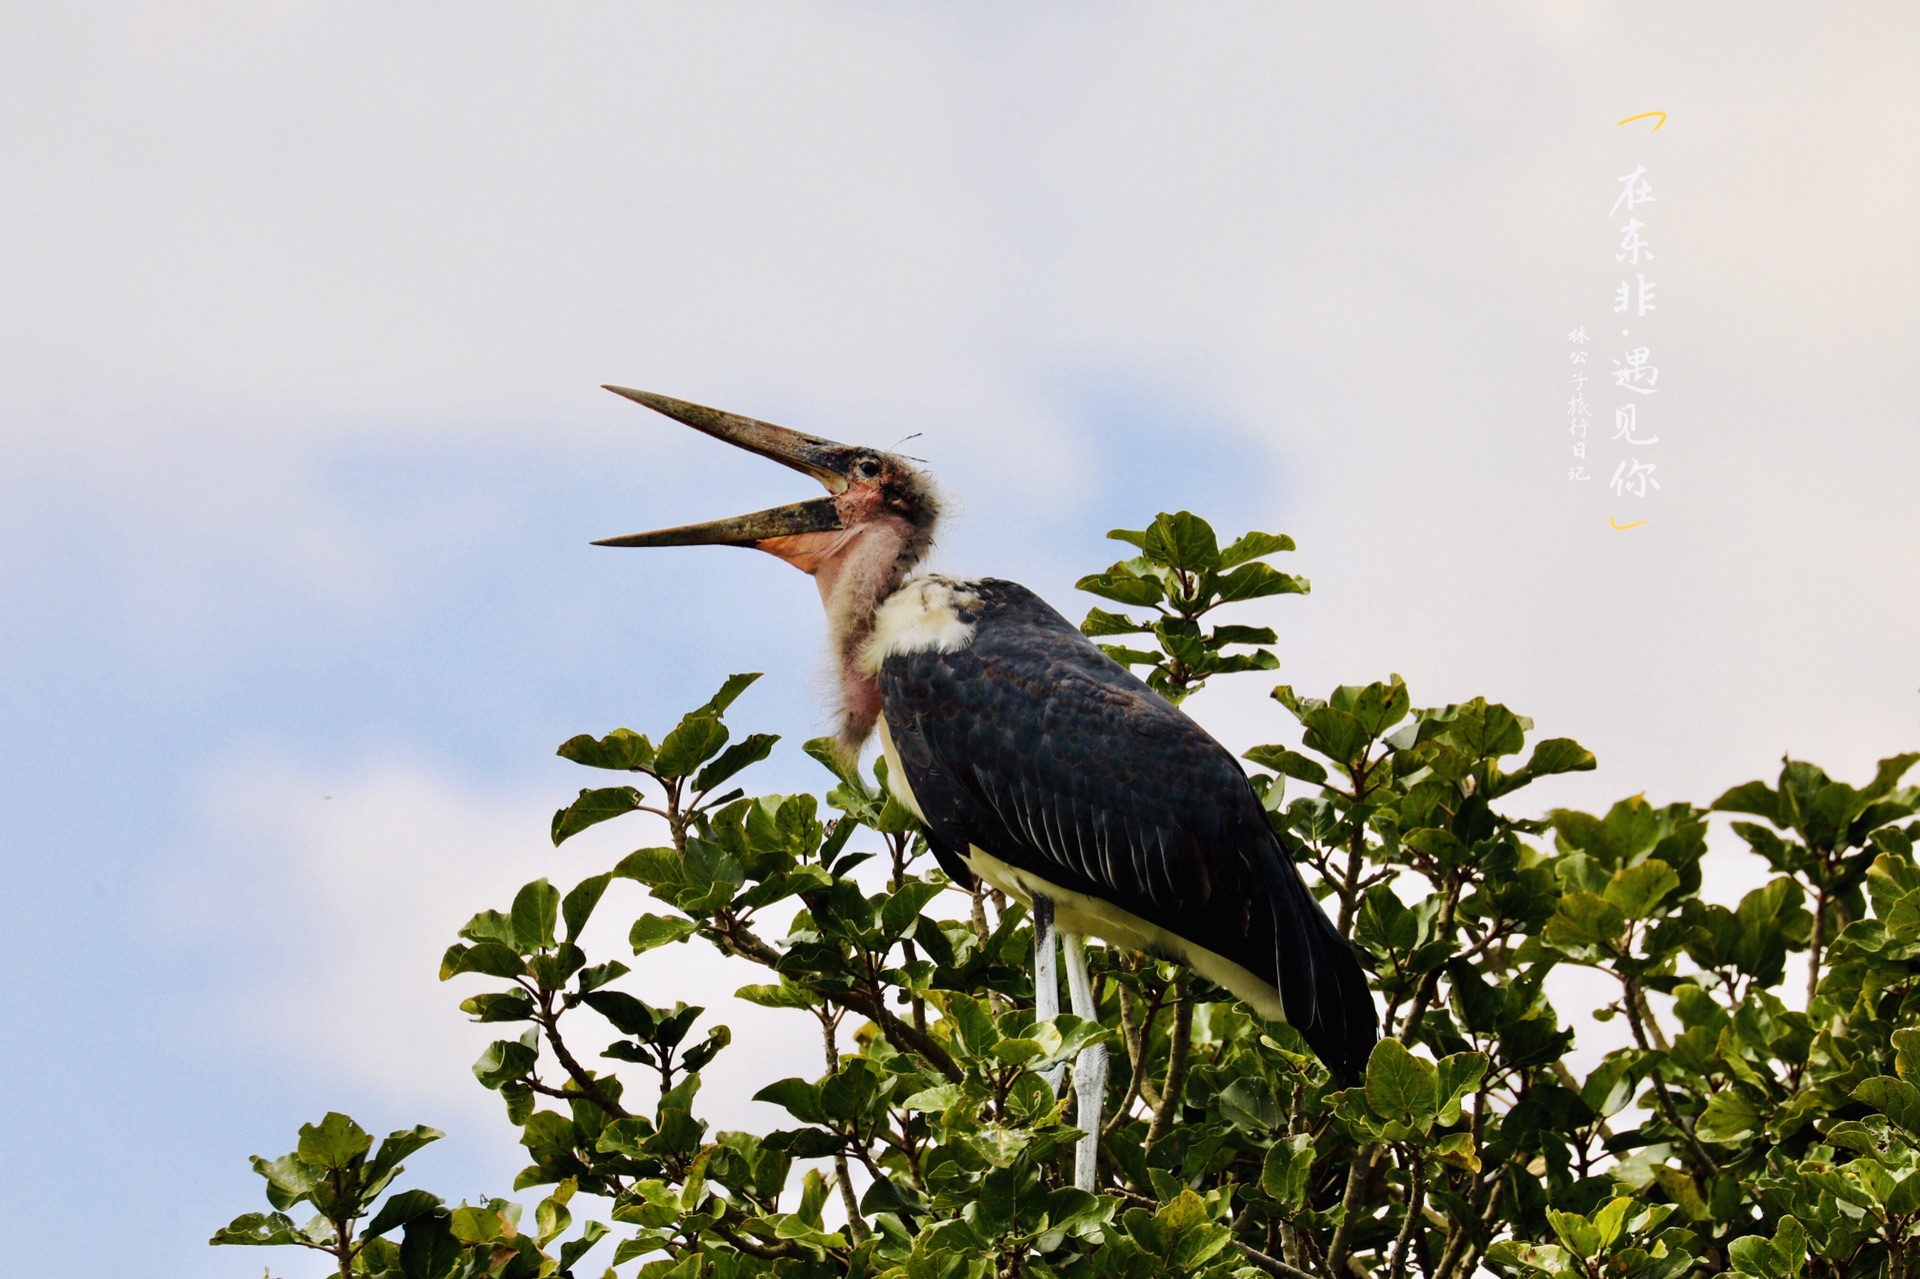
1321,983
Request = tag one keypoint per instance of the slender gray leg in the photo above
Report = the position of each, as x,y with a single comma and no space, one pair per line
1046,979
1089,1069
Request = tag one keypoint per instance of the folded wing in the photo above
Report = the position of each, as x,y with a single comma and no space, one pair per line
1032,745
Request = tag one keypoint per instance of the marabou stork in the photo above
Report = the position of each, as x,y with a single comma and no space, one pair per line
1039,764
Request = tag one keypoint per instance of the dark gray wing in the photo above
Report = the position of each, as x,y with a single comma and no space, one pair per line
1035,746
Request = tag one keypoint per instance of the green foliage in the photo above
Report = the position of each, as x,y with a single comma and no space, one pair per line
1737,1128
338,1172
1182,574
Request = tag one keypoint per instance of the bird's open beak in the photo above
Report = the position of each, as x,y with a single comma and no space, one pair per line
824,460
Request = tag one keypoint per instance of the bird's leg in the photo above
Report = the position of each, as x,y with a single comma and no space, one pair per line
1046,979
1089,1068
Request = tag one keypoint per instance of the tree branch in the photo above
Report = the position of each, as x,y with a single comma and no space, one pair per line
583,1078
1174,1089
1416,1200
737,939
1357,1173
1135,1035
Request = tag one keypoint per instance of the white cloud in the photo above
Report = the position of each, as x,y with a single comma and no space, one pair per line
334,891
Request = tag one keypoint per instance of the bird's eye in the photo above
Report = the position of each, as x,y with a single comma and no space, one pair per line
868,468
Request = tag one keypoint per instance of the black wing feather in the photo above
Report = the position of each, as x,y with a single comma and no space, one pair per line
1032,744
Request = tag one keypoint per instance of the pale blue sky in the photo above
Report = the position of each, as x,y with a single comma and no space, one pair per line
303,310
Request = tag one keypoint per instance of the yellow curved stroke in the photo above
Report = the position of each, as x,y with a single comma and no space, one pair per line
1645,115
1624,527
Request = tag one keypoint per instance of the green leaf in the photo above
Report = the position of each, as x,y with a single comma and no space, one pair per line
650,931
1455,1078
903,908
1585,925
1638,889
845,1094
748,751
600,974
396,1146
1016,1052
1101,623
1906,1048
784,995
1288,763
1559,755
697,1057
1580,1235
1377,707
1335,734
1609,1220
489,925
1754,797
1257,581
1124,586
1456,1150
1895,1098
696,739
938,1098
1782,1257
334,1143
974,1023
288,1180
1130,656
592,808
1221,636
1545,1258
630,1016
536,908
1731,1116
497,1006
1284,1174
429,1250
1400,1085
621,749
827,751
578,905
1183,541
1254,546
591,1232
550,1215
730,690
490,958
482,1224
506,1060
800,1098
398,1210
1197,1247
258,1229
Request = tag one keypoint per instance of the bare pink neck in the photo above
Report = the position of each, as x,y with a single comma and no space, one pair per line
855,570
853,584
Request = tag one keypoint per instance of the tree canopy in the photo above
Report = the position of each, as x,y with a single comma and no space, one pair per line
1747,1126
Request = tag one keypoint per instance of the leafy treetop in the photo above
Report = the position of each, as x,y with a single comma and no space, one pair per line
1740,1127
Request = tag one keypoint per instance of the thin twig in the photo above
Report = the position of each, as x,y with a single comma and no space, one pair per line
1136,1036
1416,1200
1667,1107
583,1078
1357,1174
1173,1090
737,939
856,1224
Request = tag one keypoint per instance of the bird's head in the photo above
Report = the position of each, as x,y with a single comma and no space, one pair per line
859,542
